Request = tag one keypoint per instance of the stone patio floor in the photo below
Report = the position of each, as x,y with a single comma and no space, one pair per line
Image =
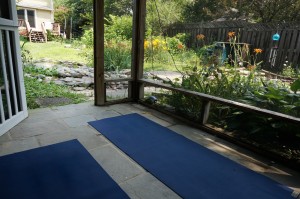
52,125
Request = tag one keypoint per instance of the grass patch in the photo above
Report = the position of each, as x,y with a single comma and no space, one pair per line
37,71
159,67
36,89
55,51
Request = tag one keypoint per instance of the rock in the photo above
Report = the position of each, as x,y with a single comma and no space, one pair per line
44,65
123,76
76,74
59,82
79,88
67,45
27,75
48,79
41,76
126,71
68,79
73,84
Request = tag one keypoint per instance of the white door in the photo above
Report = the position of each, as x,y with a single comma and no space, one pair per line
13,107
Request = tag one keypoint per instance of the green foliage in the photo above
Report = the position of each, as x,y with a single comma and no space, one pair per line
289,71
36,89
295,86
55,51
118,27
117,7
265,132
202,10
276,97
40,71
274,10
25,54
117,55
50,36
88,38
163,13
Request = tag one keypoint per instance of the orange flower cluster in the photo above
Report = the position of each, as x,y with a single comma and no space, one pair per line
257,50
200,37
251,67
180,46
231,34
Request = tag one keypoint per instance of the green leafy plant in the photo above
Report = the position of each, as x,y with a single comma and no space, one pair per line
36,89
40,71
118,27
117,55
25,54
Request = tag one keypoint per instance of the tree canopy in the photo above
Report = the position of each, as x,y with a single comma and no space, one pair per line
162,13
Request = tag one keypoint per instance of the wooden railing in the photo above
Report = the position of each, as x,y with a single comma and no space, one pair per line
207,99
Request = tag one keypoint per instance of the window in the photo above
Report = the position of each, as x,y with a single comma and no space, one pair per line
4,10
27,15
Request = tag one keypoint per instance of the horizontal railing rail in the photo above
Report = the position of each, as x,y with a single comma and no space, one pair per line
208,98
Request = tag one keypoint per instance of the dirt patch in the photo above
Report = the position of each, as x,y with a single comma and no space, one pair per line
52,101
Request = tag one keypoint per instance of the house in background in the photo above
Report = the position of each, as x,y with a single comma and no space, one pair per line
35,18
36,12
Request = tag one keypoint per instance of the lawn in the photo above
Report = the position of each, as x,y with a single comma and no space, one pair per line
56,51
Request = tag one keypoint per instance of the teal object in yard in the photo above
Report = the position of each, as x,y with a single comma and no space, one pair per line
276,37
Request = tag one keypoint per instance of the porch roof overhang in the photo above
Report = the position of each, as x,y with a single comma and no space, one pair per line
32,6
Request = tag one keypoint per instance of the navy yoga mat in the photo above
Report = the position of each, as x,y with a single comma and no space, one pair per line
60,171
189,169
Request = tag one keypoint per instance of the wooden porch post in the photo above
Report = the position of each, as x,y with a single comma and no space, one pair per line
99,87
136,89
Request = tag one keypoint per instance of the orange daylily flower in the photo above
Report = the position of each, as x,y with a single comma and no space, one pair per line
200,36
180,46
231,34
257,50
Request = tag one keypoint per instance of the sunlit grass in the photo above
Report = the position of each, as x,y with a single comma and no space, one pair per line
55,51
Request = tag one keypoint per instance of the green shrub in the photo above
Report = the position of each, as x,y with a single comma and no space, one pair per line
88,38
118,27
40,71
25,54
117,55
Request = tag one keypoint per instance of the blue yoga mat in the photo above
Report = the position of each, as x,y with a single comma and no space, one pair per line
190,170
60,171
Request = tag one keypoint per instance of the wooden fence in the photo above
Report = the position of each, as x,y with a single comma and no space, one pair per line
257,35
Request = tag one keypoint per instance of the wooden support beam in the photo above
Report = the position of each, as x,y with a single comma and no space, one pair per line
136,89
205,111
99,86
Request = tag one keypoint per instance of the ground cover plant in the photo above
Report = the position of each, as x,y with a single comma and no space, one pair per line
37,89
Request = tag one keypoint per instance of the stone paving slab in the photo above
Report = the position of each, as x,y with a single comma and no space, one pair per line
117,165
32,129
77,121
19,145
146,186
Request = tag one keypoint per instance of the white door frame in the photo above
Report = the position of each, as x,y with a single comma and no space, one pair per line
13,109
